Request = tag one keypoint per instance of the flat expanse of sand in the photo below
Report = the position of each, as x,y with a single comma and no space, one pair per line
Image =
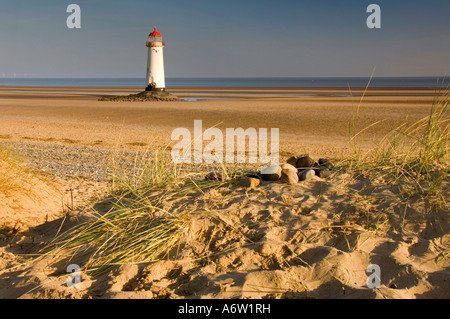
315,120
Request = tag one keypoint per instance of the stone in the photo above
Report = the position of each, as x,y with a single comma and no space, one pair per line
160,95
253,174
304,161
214,176
305,174
325,163
292,160
322,172
249,182
289,174
271,173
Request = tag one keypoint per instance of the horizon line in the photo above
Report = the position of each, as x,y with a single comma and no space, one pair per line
234,77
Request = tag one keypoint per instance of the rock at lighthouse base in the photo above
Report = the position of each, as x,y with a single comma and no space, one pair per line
159,95
142,97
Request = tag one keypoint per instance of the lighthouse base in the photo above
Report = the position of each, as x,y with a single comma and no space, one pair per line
163,95
153,89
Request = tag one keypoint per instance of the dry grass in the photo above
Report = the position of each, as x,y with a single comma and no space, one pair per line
11,171
137,228
415,156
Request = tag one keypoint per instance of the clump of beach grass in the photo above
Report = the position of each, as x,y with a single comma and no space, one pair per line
138,228
414,156
11,171
121,236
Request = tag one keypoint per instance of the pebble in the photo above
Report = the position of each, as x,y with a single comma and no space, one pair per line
271,173
253,174
292,160
214,176
304,161
305,174
325,163
249,182
322,172
73,161
289,174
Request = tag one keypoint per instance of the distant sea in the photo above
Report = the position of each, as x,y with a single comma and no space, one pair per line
414,82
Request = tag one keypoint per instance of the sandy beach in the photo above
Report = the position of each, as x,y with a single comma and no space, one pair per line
314,239
318,123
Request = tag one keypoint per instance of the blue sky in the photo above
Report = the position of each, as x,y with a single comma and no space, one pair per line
246,38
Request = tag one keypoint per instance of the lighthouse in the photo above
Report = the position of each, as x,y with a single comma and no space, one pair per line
155,63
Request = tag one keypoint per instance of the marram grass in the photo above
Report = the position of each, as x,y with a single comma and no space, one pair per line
414,155
122,236
137,229
11,171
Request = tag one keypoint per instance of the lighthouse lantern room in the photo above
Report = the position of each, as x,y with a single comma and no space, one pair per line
155,62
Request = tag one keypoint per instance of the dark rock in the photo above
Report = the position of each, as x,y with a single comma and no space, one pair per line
214,176
304,161
292,160
322,172
253,174
325,163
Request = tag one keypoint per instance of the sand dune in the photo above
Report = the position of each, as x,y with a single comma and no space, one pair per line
277,241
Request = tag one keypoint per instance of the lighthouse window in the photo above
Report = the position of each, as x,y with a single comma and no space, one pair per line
155,38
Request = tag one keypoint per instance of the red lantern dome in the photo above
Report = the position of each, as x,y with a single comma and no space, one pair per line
155,33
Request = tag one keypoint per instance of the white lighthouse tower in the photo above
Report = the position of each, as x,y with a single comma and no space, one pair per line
155,63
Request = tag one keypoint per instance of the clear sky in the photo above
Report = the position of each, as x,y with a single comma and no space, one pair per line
233,38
